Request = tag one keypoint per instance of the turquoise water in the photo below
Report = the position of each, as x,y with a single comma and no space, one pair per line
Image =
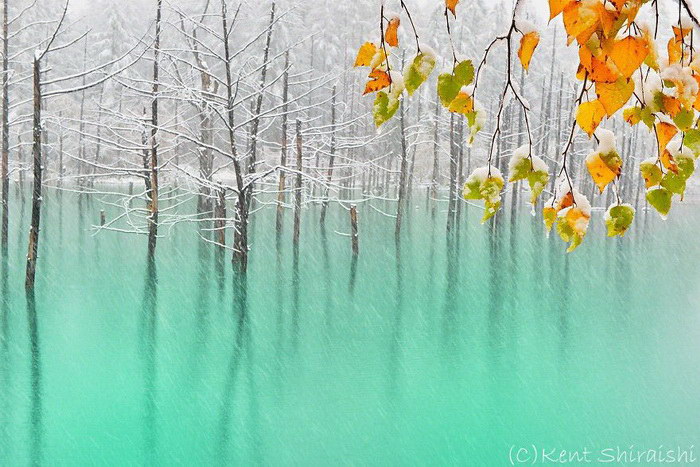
445,353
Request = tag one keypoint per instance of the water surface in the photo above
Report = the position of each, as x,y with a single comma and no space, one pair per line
439,352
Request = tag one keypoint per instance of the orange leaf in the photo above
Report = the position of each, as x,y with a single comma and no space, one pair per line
614,95
365,54
607,19
668,161
674,51
601,72
664,133
452,6
680,33
579,17
379,80
589,115
671,105
619,4
603,169
391,36
628,54
586,57
556,7
527,46
696,104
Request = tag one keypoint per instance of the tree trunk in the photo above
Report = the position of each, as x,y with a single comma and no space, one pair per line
281,195
5,131
153,217
331,162
297,189
33,244
401,207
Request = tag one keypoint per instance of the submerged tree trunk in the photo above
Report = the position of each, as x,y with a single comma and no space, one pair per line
33,244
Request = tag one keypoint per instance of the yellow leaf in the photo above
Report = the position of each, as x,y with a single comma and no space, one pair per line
527,46
391,36
452,6
556,7
589,115
628,54
379,80
614,95
664,133
365,54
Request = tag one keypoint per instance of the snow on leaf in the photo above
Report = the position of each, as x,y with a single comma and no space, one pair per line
486,186
385,106
418,71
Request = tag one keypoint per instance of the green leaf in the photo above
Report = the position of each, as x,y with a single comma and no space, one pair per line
384,108
660,199
651,173
647,117
537,180
692,140
464,73
521,170
418,71
686,167
618,219
472,189
684,119
673,183
490,210
448,88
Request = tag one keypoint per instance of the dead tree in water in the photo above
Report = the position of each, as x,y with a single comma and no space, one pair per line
153,204
401,207
39,95
297,190
331,160
281,195
5,130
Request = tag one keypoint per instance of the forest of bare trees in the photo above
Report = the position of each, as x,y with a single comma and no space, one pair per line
244,107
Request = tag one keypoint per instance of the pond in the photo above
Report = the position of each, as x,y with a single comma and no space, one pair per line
446,350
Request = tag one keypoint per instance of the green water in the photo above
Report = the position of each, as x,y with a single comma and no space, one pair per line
442,354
